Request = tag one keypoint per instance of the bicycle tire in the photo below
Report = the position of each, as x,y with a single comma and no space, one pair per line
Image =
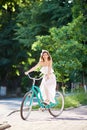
57,109
26,105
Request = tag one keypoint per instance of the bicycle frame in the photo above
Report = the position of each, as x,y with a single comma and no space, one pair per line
36,91
26,105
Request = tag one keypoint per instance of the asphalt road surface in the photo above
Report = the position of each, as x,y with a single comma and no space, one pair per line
71,119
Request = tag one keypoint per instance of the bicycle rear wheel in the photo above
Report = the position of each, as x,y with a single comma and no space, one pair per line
26,105
58,107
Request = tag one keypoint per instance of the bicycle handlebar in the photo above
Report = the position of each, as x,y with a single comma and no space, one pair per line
34,78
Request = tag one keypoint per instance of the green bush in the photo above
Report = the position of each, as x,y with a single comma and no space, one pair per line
25,84
76,99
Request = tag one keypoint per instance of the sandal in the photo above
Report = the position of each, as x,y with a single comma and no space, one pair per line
42,109
46,102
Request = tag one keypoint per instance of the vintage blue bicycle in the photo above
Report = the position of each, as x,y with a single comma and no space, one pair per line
55,109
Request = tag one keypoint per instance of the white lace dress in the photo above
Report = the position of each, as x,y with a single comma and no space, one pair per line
48,84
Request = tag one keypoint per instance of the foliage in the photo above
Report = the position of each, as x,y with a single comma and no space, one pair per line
72,100
28,26
76,99
25,84
11,53
37,17
68,57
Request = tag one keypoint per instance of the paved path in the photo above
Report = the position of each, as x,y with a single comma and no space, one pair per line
74,119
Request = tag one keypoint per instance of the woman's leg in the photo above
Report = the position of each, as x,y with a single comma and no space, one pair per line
47,100
50,89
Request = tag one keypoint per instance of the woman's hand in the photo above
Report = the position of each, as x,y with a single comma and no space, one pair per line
26,73
47,76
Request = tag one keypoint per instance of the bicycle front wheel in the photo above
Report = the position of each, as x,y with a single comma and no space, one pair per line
58,107
26,105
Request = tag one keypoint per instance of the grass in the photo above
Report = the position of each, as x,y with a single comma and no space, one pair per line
75,100
36,107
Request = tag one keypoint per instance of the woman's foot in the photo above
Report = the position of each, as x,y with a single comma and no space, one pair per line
46,102
42,109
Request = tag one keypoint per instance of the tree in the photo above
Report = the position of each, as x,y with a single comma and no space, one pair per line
11,53
67,51
37,17
80,8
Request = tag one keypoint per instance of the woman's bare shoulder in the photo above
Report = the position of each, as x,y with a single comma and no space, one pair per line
41,63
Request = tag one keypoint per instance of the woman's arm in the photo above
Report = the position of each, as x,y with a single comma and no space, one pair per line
33,68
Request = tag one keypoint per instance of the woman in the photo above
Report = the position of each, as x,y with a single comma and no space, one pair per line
48,84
